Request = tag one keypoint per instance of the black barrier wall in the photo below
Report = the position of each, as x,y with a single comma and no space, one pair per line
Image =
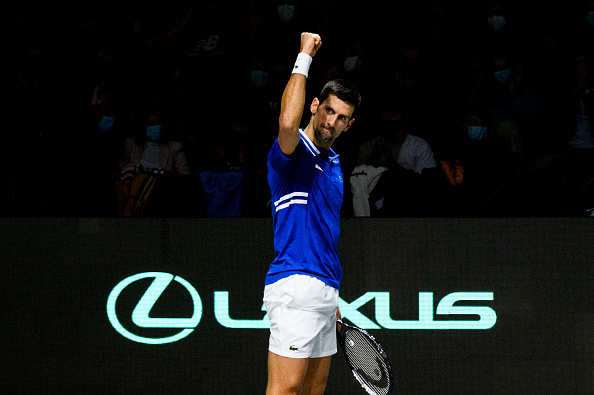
533,276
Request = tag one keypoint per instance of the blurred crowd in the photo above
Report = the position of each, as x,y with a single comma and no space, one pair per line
169,109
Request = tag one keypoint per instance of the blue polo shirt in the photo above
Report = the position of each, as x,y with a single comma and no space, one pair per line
307,192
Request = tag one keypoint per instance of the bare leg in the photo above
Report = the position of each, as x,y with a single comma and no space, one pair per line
285,375
316,376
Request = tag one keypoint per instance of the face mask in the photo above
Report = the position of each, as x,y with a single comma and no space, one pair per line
106,124
285,12
590,17
153,132
477,133
502,76
352,64
259,78
497,22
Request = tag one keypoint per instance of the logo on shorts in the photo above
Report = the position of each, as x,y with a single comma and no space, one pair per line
293,348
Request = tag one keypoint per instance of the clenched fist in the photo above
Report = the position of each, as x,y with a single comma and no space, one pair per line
310,43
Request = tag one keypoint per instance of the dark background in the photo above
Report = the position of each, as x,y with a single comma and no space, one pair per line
58,273
59,52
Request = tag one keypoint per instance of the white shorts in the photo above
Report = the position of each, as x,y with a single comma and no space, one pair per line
302,313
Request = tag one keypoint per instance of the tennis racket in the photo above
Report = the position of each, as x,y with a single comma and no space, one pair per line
366,359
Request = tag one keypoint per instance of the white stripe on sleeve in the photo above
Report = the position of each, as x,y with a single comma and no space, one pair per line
291,198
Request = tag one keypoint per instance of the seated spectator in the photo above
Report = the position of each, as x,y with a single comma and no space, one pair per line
149,183
151,146
566,127
476,161
394,170
582,140
513,103
227,161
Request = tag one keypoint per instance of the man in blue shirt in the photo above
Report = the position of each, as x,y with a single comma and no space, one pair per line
306,183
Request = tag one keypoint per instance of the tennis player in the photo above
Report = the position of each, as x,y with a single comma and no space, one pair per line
306,182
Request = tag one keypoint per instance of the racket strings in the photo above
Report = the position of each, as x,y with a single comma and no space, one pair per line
366,361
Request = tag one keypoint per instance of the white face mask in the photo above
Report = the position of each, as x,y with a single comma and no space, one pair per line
352,64
497,22
286,12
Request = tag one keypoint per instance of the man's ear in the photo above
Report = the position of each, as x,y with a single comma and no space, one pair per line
314,105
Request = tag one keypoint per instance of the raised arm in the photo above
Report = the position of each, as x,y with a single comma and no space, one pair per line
293,99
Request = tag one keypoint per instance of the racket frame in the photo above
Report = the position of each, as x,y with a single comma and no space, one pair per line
376,345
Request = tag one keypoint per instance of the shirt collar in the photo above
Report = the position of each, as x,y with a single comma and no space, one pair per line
315,150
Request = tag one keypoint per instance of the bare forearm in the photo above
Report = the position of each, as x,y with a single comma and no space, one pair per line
293,98
292,104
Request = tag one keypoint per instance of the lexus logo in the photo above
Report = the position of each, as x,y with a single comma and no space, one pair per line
140,315
447,315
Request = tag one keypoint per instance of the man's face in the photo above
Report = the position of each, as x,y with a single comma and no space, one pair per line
393,123
330,119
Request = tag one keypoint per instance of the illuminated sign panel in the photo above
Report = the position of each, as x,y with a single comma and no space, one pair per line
446,306
140,315
76,318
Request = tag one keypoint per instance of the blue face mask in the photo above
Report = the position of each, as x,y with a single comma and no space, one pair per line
153,132
590,17
106,124
503,75
259,78
477,133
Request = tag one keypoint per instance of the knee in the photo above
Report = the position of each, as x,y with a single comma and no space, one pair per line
284,388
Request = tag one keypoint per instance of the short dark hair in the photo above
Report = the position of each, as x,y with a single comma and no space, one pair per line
343,89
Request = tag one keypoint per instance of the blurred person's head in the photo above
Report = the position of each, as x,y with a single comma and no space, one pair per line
285,10
393,119
474,123
501,69
506,67
352,63
259,72
497,17
149,124
409,68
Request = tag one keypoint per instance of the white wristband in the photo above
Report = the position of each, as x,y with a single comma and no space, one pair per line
302,64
